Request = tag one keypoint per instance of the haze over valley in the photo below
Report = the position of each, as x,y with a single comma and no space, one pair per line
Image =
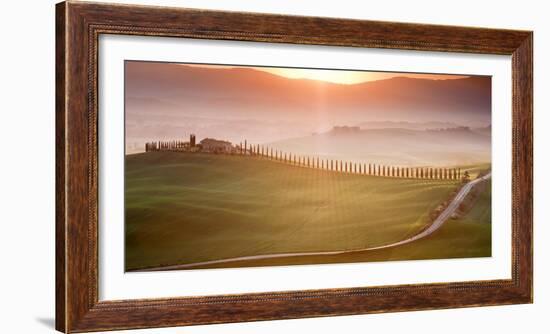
404,120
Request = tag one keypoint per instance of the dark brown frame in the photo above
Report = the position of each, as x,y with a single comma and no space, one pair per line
78,25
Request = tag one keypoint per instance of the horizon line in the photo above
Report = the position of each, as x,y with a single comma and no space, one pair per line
338,76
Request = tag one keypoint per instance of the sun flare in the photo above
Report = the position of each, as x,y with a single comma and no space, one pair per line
334,76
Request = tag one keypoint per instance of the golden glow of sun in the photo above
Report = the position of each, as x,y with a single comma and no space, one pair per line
348,77
334,76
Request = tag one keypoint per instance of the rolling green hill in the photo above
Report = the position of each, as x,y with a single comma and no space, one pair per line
183,208
468,236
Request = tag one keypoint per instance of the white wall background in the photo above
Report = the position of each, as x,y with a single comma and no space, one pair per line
27,72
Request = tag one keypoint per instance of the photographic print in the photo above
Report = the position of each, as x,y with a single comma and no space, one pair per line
241,166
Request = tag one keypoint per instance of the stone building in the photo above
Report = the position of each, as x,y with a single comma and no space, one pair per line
211,145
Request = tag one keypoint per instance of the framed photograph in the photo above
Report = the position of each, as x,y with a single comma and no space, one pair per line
223,167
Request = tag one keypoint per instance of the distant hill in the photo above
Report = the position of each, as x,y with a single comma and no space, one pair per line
406,125
437,147
240,91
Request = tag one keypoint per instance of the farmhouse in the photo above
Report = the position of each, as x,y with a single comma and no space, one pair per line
215,146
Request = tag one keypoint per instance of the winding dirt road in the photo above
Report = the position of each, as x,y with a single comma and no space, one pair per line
437,223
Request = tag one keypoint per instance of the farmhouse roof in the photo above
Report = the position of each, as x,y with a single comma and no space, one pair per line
214,141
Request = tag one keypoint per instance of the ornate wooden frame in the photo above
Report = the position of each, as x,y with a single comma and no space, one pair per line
78,25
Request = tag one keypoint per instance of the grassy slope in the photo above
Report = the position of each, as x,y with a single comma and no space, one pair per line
468,236
185,208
